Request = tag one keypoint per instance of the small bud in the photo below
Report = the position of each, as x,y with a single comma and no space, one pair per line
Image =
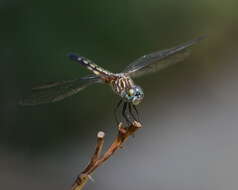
100,134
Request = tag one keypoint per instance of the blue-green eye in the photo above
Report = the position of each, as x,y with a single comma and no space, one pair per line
134,95
139,91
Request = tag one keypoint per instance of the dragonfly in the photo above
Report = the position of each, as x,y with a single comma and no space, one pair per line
122,83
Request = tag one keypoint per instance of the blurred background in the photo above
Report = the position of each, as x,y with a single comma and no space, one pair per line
189,114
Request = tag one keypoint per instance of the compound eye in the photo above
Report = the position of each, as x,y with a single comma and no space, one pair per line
131,92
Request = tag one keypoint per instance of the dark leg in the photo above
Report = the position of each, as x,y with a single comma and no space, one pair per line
115,111
124,113
137,113
131,113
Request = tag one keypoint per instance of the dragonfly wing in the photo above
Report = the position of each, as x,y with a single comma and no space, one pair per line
53,92
160,59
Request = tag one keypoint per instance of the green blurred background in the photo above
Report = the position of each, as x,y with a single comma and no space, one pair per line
35,37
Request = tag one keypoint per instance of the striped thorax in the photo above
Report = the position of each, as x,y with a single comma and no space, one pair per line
121,84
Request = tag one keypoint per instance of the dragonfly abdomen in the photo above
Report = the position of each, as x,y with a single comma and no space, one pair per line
97,70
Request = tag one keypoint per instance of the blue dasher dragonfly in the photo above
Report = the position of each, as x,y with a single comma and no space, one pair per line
121,83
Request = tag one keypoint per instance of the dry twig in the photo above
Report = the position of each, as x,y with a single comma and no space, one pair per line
97,160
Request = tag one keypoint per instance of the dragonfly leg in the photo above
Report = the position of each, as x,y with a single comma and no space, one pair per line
131,113
137,113
124,113
116,110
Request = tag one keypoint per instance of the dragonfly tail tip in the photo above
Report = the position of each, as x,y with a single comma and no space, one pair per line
72,56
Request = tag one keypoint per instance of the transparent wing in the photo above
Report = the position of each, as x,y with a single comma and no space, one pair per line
53,92
160,59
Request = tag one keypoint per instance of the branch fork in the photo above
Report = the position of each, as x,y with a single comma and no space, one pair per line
97,159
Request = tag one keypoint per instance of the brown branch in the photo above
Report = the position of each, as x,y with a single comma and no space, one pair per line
97,160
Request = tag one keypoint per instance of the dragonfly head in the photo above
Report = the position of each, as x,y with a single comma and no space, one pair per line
134,95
